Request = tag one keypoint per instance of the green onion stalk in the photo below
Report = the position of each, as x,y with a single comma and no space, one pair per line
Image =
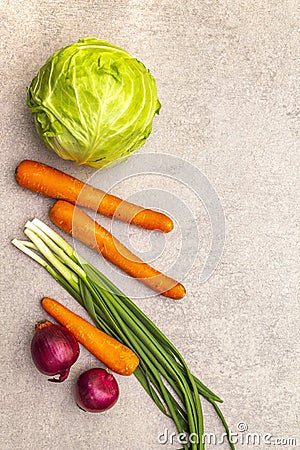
162,371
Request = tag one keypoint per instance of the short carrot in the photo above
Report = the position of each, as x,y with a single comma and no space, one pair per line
115,355
78,224
53,183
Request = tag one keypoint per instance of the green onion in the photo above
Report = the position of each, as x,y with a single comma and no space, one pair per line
162,371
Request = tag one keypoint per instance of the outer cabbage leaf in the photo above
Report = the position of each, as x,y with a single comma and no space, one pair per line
93,103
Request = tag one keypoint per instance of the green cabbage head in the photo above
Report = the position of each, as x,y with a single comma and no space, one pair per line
93,103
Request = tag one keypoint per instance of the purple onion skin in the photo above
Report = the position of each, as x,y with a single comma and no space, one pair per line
54,350
96,390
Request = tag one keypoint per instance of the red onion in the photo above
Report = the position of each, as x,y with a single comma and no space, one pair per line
96,390
54,350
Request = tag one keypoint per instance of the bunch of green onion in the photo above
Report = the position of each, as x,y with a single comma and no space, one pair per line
162,371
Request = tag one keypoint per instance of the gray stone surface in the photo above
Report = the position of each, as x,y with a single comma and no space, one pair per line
228,80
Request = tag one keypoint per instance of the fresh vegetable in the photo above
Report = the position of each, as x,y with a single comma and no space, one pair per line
93,103
53,183
96,390
78,224
162,371
108,350
54,350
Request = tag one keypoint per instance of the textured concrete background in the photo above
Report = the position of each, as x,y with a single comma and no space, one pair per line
228,80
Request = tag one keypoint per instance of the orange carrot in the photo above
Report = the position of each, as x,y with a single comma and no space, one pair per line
77,223
53,183
111,352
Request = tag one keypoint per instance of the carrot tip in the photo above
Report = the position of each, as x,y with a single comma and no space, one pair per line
169,227
175,293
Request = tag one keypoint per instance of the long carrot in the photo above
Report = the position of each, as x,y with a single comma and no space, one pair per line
53,183
112,353
77,223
